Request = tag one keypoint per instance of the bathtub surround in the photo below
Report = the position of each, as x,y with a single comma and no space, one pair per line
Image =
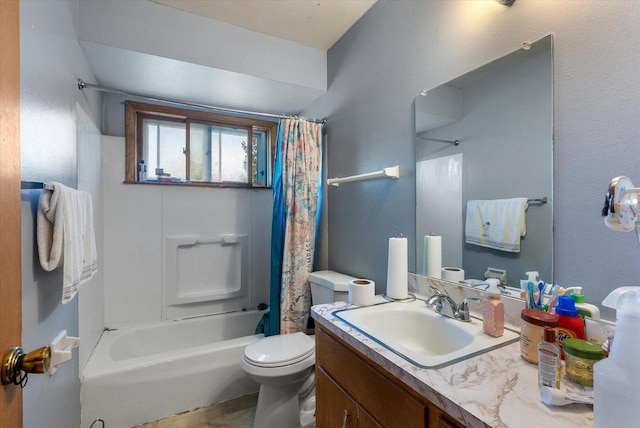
144,224
296,213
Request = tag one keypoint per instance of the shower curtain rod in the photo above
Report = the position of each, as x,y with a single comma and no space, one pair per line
84,85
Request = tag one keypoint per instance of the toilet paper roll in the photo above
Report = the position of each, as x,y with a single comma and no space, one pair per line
397,269
362,292
432,251
452,274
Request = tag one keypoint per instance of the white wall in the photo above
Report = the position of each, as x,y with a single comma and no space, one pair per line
51,60
138,217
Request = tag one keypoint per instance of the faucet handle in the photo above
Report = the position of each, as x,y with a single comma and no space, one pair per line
463,309
435,289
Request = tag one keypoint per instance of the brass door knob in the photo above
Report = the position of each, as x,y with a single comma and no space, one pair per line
15,361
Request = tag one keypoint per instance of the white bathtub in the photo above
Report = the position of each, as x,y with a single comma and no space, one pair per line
142,374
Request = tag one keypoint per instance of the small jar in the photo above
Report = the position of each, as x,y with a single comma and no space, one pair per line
532,331
580,356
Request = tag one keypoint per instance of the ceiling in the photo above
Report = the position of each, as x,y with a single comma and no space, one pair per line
315,23
139,47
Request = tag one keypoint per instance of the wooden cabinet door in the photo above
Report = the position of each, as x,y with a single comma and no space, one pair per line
439,419
365,420
336,408
387,402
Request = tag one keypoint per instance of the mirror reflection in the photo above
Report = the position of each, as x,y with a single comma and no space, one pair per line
484,169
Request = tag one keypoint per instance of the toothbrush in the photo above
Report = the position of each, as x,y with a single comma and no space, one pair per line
555,290
530,291
541,287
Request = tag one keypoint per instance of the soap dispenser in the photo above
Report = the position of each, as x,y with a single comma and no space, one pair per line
584,309
532,278
493,310
617,378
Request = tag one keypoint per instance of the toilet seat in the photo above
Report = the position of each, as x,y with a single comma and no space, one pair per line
279,351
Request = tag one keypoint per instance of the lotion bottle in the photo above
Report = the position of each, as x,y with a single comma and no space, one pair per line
549,361
493,310
616,398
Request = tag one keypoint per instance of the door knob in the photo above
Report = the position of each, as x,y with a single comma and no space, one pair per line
15,361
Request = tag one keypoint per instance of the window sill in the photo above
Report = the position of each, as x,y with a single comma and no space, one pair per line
199,184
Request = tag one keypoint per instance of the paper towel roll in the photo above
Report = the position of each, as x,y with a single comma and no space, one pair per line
397,269
432,251
452,274
362,292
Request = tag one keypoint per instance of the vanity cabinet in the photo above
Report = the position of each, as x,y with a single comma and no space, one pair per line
339,409
353,391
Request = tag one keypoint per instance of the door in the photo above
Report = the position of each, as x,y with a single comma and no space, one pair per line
10,260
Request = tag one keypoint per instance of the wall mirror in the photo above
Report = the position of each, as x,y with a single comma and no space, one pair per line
483,137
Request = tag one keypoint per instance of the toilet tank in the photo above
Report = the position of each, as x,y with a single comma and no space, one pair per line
328,286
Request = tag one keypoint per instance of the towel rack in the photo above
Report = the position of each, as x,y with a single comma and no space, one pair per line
390,172
24,185
454,142
542,200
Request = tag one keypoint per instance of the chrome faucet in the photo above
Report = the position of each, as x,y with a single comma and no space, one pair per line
445,305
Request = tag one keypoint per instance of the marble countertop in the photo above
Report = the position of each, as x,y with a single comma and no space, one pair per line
494,389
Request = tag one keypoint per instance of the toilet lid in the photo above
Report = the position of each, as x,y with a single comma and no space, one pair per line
283,349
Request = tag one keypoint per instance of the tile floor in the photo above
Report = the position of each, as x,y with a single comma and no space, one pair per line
236,413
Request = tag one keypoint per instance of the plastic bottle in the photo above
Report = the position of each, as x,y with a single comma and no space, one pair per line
570,324
142,171
584,309
493,310
616,398
549,360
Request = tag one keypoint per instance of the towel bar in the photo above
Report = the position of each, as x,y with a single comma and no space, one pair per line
25,185
391,172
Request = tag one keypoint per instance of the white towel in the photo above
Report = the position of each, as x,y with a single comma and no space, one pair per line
497,223
66,238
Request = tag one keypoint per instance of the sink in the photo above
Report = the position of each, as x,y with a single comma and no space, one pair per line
421,336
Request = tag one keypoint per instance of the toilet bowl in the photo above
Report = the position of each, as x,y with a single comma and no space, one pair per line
283,365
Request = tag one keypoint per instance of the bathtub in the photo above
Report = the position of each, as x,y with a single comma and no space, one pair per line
142,374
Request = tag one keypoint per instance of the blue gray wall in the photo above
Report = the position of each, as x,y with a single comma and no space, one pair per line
51,61
400,47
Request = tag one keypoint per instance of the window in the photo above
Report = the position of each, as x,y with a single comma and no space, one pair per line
192,147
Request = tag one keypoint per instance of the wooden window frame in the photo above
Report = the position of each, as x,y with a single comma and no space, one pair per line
136,111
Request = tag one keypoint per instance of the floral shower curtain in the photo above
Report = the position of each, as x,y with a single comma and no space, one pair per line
296,207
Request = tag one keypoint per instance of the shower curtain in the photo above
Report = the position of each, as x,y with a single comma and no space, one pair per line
296,210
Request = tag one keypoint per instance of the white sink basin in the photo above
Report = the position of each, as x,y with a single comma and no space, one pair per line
420,335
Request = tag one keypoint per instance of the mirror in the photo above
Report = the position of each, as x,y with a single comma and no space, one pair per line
483,137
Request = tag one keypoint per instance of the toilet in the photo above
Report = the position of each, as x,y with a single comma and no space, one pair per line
283,365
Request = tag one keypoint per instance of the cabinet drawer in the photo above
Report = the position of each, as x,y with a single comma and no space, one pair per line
386,402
